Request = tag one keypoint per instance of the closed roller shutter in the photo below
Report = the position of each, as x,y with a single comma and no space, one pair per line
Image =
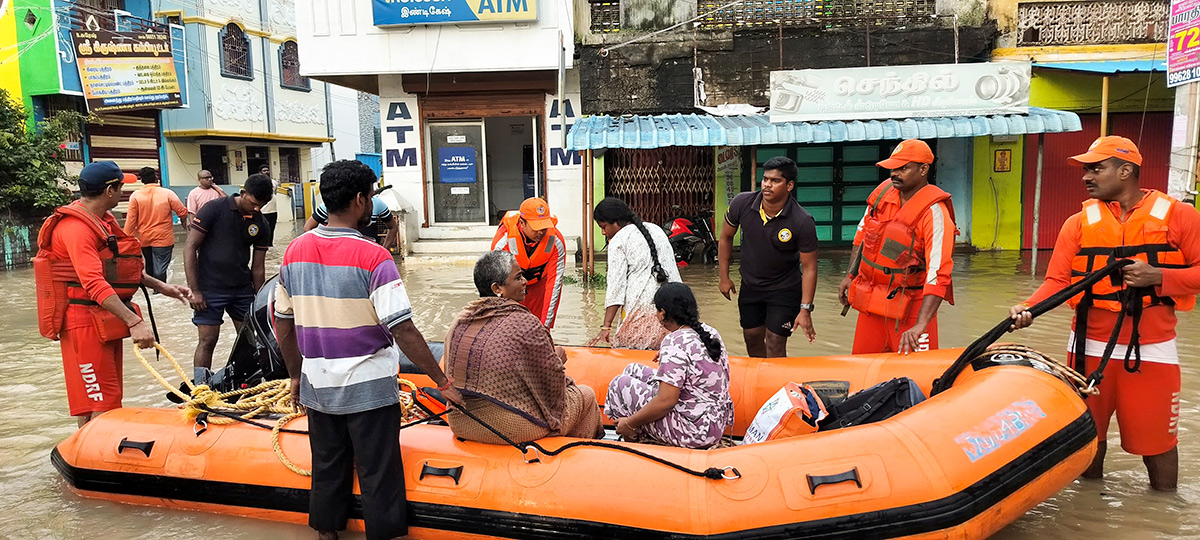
130,139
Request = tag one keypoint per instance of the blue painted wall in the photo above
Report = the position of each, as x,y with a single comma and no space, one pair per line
955,165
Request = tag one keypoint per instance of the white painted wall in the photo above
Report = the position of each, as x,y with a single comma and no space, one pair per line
402,153
327,29
564,169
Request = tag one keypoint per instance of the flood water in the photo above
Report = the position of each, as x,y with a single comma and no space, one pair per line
35,503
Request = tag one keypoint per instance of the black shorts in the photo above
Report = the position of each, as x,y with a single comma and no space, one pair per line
776,309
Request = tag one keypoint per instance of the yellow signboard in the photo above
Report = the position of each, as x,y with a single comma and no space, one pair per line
122,71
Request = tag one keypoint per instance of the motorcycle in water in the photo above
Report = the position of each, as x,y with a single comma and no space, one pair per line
691,236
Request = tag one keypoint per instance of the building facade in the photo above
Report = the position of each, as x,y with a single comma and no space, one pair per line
720,63
469,115
253,107
1110,68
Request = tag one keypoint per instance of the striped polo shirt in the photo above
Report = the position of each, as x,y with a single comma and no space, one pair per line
344,292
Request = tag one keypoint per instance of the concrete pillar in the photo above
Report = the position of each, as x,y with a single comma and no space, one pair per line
1182,177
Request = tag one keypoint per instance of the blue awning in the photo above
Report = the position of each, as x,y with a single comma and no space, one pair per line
1109,67
660,131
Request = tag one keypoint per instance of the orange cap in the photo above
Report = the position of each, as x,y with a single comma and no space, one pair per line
910,151
1111,146
129,178
536,213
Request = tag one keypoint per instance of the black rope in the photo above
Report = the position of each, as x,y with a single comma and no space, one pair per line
712,473
153,323
980,345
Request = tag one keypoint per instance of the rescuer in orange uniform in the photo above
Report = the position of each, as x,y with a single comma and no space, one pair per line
904,242
1163,237
86,271
531,235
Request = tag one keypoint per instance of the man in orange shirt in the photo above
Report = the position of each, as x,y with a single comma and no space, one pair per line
1163,237
86,272
149,219
905,242
532,236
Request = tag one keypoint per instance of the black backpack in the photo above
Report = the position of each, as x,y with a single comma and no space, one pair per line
874,404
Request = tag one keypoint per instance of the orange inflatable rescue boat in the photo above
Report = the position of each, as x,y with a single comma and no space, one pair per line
1008,433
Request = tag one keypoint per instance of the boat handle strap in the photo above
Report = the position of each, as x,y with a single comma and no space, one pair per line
145,447
816,481
451,472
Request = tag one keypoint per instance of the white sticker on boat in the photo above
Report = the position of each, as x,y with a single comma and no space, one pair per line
1000,429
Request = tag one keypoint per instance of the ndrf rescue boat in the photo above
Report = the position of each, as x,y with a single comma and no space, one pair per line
1008,433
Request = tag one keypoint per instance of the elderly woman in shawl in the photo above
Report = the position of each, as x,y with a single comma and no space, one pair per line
503,361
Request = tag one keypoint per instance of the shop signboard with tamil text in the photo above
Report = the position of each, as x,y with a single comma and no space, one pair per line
402,12
920,91
125,71
1183,47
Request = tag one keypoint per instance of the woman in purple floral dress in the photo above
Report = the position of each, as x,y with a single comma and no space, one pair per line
685,402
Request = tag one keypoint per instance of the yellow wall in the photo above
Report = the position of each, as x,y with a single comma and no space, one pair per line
1081,92
10,74
996,197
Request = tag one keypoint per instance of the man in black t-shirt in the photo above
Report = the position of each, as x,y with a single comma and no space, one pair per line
778,237
222,269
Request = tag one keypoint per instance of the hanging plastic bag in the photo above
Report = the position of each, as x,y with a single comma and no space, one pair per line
795,409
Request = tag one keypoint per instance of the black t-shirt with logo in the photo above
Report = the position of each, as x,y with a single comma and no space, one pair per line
224,256
771,249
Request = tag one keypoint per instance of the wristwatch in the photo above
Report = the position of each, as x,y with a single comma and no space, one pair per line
809,307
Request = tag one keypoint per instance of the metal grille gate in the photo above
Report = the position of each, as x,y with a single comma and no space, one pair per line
652,181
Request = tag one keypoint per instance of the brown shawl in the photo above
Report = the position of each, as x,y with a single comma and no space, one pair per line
497,349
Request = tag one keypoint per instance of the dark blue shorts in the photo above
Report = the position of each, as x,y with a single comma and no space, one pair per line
219,303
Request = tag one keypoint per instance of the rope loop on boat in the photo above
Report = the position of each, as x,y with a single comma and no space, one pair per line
980,346
1043,361
712,473
206,406
279,450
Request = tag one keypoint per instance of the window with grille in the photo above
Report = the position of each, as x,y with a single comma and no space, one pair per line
235,53
289,67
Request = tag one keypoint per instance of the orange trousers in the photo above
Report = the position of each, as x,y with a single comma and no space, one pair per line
92,368
876,334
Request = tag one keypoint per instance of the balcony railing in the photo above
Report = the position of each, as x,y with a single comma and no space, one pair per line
1092,23
813,13
606,16
82,17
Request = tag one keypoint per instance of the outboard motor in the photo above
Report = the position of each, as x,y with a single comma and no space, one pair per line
255,357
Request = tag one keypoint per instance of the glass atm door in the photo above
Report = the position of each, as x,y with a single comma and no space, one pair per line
458,168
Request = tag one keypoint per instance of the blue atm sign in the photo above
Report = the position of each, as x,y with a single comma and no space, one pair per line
402,12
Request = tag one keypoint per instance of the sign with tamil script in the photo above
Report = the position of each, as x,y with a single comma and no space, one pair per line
1183,46
401,12
124,71
921,91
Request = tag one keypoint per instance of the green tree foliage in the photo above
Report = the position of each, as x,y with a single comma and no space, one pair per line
30,168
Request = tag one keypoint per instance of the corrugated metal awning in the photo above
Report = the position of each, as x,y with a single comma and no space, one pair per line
1109,67
659,131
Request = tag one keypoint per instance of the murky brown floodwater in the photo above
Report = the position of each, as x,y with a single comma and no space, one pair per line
34,502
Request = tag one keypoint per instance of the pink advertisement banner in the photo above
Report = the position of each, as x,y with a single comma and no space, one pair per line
1183,46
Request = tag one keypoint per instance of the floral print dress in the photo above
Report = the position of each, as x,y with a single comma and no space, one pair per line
705,408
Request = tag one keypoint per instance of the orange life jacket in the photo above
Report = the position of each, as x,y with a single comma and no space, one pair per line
1143,236
56,282
533,265
892,274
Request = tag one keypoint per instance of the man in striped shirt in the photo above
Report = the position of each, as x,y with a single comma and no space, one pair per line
340,311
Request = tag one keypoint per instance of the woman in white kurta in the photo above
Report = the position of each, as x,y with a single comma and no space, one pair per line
640,259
